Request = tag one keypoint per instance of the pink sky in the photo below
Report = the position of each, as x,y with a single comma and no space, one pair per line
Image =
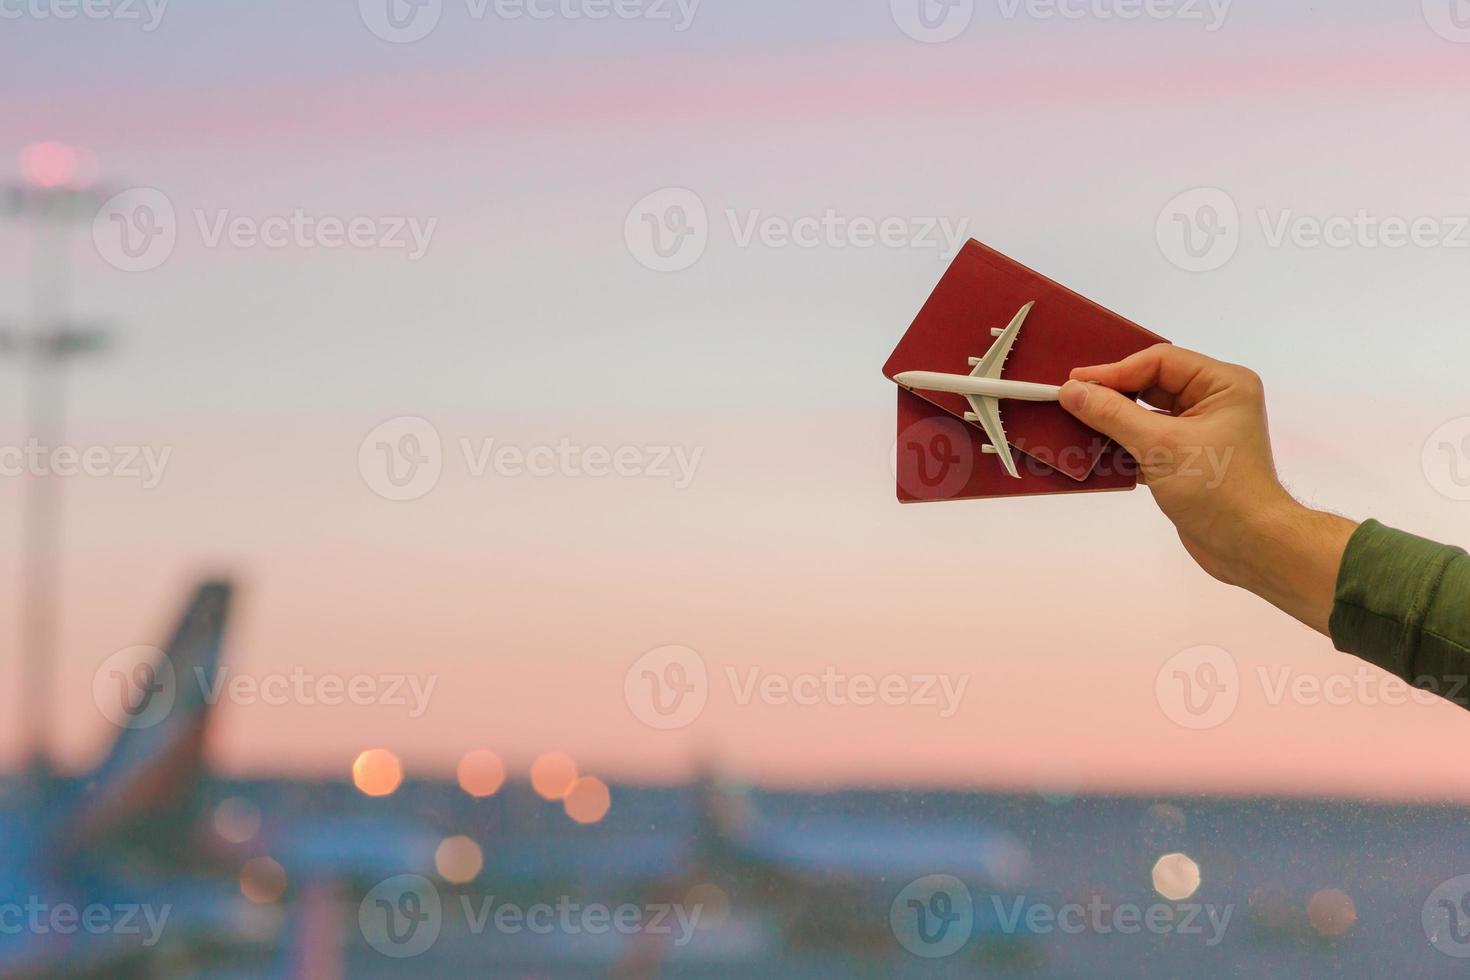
1056,615
529,322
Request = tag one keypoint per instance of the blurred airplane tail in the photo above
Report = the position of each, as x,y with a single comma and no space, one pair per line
146,786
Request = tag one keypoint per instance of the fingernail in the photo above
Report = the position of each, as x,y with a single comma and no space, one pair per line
1074,396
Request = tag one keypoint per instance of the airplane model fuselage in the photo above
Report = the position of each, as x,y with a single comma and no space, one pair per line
962,384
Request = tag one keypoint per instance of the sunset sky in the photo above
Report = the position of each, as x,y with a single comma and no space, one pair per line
529,319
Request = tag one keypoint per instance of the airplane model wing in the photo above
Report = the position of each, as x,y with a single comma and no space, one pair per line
987,410
994,361
987,413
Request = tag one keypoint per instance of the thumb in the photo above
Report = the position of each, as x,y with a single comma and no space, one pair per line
1116,416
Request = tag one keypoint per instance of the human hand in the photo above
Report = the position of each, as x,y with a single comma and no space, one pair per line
1206,457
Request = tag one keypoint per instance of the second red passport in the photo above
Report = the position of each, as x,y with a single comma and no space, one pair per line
938,457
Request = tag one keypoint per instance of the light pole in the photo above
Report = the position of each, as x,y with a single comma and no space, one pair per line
52,195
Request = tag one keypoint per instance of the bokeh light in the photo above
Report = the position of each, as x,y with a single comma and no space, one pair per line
481,773
47,164
1176,876
377,772
262,880
50,164
588,800
553,774
458,860
1332,912
237,820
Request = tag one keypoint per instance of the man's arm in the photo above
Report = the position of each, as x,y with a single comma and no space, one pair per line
1403,603
1398,601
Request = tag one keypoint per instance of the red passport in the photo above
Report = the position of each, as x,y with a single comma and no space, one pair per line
983,290
938,457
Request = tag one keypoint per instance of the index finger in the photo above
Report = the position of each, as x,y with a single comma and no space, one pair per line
1171,375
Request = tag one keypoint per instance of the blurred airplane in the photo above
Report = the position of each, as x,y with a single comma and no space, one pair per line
118,872
832,878
127,871
93,876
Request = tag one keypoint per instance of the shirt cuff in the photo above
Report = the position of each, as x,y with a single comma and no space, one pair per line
1385,589
1386,586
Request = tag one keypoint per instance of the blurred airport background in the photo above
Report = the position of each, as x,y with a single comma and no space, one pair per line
431,553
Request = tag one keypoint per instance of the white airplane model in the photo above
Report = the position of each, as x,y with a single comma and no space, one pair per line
984,388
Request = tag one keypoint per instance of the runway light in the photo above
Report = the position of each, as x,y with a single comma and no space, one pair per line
553,774
481,773
1176,876
237,820
458,860
588,800
262,880
1331,912
377,772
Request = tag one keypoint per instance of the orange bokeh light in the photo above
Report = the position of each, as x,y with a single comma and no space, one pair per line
237,820
458,860
553,774
377,772
262,880
481,773
588,800
1332,912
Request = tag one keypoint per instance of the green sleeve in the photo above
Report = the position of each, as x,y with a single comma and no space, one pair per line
1403,603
